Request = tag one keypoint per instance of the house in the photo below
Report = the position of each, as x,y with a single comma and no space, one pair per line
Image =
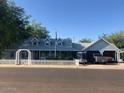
65,49
45,49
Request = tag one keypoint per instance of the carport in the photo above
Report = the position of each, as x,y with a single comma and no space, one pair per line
112,54
103,47
89,55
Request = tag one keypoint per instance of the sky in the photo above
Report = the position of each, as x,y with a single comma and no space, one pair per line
76,19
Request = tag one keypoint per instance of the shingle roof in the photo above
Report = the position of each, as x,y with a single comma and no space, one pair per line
67,45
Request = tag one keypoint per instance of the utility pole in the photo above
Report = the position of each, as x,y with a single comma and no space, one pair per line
55,44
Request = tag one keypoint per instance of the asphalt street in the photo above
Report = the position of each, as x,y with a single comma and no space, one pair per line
56,80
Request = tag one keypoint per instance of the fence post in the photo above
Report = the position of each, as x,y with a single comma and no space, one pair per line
76,62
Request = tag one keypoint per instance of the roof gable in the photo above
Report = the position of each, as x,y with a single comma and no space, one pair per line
100,45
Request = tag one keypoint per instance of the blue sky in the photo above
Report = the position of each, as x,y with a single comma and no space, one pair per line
77,19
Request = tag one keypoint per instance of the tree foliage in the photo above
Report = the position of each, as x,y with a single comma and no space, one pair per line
116,38
12,24
15,26
85,40
37,30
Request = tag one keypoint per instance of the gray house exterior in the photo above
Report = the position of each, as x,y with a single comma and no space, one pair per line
46,49
61,49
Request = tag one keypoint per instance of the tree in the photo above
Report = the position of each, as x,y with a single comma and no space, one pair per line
116,38
37,30
15,26
85,40
12,24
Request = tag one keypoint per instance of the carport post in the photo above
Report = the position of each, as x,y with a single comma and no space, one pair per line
118,56
101,52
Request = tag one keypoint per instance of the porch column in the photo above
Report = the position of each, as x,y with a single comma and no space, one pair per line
60,55
39,54
32,56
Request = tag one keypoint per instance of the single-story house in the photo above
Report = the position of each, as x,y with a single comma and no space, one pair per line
61,49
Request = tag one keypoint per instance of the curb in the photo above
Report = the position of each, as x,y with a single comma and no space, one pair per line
114,67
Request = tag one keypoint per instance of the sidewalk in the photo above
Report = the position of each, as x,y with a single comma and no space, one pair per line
117,66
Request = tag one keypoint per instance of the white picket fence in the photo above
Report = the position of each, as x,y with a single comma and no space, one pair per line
42,62
49,62
7,61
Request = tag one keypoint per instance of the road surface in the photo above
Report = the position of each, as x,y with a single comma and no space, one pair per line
56,80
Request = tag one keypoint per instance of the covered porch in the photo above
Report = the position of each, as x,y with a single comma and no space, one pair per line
42,55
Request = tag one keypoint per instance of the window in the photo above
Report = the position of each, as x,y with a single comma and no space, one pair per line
34,43
60,43
47,43
39,43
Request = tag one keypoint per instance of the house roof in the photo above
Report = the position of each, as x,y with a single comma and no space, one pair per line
98,41
74,47
67,45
